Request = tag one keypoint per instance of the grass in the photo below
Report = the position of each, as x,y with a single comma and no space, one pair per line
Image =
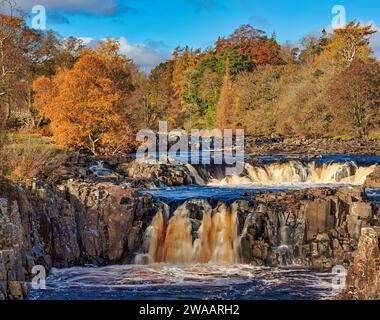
344,137
374,136
25,155
21,140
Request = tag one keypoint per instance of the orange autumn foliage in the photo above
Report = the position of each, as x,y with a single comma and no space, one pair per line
85,106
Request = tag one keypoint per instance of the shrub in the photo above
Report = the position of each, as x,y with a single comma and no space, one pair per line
25,157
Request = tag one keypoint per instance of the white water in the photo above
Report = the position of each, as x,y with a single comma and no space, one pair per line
296,172
196,281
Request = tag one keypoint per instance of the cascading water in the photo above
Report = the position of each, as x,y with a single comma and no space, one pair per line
216,240
198,179
294,172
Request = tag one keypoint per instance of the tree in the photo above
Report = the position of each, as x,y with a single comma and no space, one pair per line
153,94
350,43
184,59
355,96
309,49
251,42
16,44
255,97
224,109
86,105
53,53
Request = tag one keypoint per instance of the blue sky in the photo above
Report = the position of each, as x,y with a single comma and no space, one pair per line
150,29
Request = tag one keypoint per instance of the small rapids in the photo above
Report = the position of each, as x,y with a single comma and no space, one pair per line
185,282
296,172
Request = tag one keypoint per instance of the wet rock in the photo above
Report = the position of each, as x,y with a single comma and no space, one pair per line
319,218
170,175
316,228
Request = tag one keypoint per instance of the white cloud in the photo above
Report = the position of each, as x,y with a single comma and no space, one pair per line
87,41
144,56
375,40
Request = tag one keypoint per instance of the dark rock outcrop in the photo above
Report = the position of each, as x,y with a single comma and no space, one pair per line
15,241
363,277
170,175
318,228
83,222
92,222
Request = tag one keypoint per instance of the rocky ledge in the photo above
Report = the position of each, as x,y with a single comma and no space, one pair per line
78,223
317,228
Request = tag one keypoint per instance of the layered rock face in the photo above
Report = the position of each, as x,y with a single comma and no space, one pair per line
14,241
84,222
318,228
363,277
94,223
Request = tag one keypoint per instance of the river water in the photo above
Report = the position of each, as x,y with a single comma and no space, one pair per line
191,280
186,282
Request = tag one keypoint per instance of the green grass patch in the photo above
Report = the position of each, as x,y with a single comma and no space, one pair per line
29,137
344,137
374,136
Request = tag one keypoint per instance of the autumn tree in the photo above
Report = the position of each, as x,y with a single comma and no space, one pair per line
153,96
16,43
87,105
184,59
350,43
53,53
255,97
224,110
253,43
355,96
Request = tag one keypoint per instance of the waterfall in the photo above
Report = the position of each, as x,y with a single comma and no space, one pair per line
194,173
216,239
294,172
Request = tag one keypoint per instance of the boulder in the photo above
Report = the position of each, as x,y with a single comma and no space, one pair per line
170,175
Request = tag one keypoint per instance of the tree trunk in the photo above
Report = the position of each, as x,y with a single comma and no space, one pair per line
92,144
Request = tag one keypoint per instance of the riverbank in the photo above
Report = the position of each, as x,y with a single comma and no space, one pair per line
323,146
